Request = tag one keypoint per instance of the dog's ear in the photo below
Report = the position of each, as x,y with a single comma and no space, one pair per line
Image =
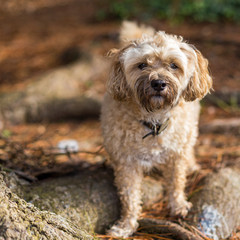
201,81
117,84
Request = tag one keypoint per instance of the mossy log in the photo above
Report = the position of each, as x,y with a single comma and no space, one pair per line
23,221
81,204
69,207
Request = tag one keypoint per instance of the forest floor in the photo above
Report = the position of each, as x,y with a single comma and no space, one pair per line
38,39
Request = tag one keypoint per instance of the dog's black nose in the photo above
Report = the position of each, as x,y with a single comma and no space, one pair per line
158,85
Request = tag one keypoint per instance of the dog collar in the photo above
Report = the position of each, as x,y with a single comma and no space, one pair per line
156,129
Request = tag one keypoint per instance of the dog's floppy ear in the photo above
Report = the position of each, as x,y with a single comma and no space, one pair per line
201,81
117,84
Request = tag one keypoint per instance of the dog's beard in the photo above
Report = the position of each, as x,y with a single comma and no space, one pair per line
153,100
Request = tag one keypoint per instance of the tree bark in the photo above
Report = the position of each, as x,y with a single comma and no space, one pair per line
22,220
71,207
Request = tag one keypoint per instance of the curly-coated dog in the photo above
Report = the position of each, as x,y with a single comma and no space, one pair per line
150,116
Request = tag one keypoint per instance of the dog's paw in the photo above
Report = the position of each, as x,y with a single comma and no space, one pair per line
123,229
180,208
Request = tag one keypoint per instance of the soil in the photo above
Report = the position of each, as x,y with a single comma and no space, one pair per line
36,37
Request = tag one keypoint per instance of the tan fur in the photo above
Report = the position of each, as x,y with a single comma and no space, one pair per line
131,99
130,31
116,84
201,82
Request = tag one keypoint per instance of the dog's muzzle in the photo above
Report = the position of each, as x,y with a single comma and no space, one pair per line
158,85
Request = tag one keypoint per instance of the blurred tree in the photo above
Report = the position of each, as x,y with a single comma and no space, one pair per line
196,10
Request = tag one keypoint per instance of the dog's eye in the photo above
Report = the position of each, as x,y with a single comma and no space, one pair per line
142,66
173,66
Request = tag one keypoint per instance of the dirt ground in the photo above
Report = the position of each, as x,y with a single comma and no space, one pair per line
41,37
35,41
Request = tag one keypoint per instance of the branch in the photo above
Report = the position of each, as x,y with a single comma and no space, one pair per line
164,226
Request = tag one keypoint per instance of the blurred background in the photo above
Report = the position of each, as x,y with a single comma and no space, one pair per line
36,36
53,69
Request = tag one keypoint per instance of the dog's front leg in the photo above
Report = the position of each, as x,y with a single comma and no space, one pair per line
176,180
128,181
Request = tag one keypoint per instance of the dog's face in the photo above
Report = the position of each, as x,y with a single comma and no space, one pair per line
158,71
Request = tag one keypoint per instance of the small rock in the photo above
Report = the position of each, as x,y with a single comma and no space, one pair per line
68,145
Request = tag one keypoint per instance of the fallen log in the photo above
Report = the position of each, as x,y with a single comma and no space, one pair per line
23,221
223,98
73,91
216,204
81,204
226,126
71,207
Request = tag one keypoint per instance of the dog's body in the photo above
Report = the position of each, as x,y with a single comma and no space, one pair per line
155,83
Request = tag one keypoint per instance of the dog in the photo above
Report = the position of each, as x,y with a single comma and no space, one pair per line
150,115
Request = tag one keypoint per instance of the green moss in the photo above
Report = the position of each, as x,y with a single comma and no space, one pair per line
81,199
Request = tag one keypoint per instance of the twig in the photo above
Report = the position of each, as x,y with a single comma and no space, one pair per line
49,151
25,176
163,226
19,173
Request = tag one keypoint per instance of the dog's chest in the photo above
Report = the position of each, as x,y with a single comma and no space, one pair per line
151,151
154,150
